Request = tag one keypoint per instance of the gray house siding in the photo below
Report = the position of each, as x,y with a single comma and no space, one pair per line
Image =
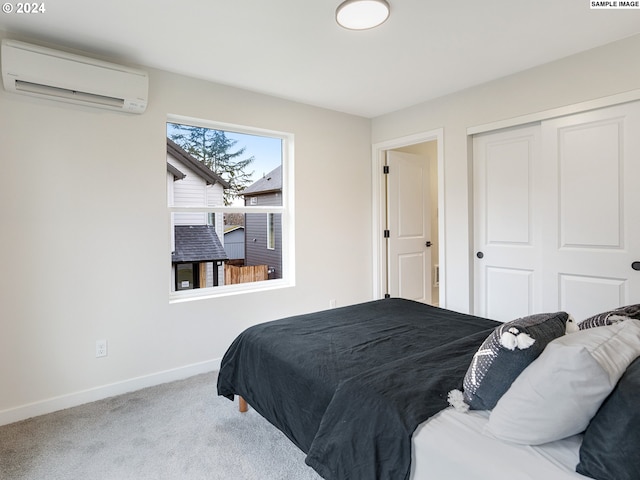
256,236
234,243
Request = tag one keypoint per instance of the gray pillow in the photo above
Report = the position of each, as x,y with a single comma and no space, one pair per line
558,394
506,353
611,316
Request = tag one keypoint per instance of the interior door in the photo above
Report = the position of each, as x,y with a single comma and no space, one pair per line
592,167
409,226
506,273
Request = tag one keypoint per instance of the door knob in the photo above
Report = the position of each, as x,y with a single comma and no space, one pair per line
480,255
635,265
428,244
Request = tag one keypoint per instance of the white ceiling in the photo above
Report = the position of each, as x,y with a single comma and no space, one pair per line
294,49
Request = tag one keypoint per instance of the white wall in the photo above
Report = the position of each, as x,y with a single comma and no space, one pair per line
85,250
604,71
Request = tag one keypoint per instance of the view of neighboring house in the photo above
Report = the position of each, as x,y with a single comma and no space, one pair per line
234,244
263,231
197,247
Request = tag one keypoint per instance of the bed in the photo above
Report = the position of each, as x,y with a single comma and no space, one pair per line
365,391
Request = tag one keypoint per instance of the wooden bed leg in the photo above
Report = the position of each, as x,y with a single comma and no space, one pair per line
242,404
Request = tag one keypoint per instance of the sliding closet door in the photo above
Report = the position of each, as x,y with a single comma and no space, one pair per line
557,215
507,240
591,206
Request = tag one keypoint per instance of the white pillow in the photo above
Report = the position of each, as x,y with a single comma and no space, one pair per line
558,394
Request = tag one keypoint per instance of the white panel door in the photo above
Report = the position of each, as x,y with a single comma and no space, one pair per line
592,210
506,273
409,225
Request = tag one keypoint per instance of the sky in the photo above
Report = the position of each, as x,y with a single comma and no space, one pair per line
266,150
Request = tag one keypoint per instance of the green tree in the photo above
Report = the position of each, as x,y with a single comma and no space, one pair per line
215,150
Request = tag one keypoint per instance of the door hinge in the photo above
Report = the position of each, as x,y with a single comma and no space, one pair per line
385,169
387,234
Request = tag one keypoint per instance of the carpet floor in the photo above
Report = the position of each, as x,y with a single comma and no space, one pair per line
179,430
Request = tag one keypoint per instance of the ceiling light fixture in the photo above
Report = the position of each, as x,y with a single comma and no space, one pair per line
362,14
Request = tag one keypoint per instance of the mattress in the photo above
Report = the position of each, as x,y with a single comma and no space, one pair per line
451,445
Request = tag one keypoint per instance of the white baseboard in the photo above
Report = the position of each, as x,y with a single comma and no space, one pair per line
98,393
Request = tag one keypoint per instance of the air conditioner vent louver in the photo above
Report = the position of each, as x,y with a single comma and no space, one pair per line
63,93
46,73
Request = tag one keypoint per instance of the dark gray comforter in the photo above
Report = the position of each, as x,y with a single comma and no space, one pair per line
350,385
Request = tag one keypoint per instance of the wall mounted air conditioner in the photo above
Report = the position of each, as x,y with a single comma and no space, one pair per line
47,73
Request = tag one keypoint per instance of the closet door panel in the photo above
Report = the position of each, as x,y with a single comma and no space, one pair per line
508,192
506,273
592,211
509,293
584,295
590,184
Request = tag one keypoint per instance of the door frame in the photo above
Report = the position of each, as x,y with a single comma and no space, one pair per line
379,265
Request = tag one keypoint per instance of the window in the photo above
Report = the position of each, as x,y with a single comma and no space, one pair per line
229,194
187,276
271,231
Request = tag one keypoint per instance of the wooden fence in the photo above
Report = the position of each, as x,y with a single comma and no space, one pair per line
252,273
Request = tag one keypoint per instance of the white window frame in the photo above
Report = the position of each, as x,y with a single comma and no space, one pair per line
286,210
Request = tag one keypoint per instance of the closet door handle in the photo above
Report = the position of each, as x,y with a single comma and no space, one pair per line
480,255
635,265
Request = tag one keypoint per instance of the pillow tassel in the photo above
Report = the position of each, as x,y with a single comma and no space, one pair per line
572,326
456,400
524,341
514,338
508,341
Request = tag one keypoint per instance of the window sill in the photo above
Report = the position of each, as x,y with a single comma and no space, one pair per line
228,290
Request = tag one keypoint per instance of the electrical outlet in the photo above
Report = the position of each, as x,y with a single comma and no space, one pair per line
101,348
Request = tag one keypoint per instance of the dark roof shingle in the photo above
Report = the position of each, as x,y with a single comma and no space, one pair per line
197,243
271,182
